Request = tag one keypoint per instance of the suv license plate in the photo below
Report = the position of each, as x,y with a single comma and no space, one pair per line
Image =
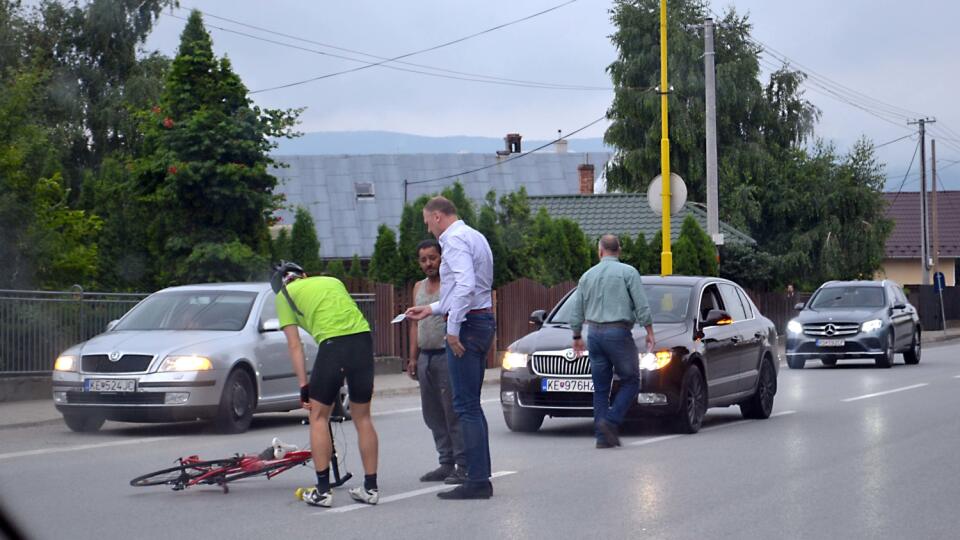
110,385
566,385
830,343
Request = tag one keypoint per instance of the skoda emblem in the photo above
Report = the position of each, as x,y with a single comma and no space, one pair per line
115,356
830,330
569,355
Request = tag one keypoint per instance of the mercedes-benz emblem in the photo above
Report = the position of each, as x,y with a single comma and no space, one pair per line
115,356
569,355
830,330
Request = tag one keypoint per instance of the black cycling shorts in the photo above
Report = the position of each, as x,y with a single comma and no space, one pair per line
343,357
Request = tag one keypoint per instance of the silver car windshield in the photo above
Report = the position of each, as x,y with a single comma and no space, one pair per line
848,297
668,303
194,310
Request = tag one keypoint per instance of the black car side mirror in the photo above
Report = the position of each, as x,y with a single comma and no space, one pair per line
899,306
537,318
716,317
799,306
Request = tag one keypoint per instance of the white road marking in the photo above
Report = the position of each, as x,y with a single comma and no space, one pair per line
42,451
956,376
711,428
401,496
418,409
885,392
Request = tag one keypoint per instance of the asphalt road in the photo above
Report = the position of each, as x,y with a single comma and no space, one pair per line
851,452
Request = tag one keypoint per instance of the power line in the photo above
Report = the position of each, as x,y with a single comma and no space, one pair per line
409,54
518,156
904,181
893,141
386,59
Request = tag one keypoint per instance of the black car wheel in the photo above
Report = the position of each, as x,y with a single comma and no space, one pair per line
795,362
236,403
83,423
760,405
518,419
693,401
886,360
912,355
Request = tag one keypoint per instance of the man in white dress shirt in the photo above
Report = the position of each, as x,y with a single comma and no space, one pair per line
466,282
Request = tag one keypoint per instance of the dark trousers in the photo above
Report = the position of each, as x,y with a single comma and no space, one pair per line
612,349
466,378
436,399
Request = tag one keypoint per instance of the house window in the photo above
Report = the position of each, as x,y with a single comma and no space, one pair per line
364,190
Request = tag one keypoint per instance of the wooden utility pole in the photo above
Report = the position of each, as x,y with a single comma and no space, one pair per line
924,223
935,249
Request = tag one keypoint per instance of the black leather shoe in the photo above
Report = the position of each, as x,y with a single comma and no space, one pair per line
602,444
438,475
609,432
468,491
457,476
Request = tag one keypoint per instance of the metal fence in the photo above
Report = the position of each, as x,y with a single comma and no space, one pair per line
36,326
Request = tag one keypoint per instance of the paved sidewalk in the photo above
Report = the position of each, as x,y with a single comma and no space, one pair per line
41,411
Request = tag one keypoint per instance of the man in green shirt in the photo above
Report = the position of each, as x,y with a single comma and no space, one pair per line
610,298
323,307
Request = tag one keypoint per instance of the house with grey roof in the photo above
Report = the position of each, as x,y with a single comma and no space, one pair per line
626,214
349,196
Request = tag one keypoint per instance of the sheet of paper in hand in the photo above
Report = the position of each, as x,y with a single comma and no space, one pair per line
399,318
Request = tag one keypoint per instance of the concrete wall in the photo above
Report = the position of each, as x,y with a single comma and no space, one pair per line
907,271
25,387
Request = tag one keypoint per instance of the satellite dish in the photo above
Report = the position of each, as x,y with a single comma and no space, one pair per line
678,194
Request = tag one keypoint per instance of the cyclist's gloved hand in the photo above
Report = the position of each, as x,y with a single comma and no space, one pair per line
305,393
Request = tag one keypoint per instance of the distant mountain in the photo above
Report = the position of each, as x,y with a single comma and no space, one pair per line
388,142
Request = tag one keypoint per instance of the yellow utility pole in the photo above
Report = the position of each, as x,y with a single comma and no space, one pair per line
666,257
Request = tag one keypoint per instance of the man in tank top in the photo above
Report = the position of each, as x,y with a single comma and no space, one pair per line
428,365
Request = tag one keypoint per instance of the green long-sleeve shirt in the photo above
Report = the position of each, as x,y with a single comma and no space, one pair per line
609,292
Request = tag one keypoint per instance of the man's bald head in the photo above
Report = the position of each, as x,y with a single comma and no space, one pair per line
610,245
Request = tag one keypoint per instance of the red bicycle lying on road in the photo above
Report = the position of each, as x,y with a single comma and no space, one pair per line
277,458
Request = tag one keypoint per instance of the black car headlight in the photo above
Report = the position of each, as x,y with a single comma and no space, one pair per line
655,361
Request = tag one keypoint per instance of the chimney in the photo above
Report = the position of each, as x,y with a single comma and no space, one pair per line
561,146
586,178
513,143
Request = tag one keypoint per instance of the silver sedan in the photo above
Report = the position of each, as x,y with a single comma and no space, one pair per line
184,353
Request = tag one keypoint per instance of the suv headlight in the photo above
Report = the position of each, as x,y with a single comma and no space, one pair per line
513,360
655,361
794,327
871,326
186,363
65,363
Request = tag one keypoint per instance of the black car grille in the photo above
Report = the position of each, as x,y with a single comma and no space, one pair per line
128,363
556,365
116,398
831,329
557,399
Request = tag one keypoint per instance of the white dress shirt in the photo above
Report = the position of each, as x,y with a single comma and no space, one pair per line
466,275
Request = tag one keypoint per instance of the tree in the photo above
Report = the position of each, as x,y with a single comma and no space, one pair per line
282,249
356,269
704,255
636,253
204,172
336,269
489,227
384,266
304,245
458,196
412,231
655,253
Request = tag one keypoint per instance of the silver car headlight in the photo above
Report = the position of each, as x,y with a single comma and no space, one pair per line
512,360
65,362
655,361
871,326
186,363
794,327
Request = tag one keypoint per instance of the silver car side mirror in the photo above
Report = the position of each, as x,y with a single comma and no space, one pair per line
270,325
112,324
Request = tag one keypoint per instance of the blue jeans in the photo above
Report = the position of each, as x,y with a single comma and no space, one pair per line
612,349
466,379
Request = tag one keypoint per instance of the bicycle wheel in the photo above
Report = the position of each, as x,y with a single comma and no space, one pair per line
182,474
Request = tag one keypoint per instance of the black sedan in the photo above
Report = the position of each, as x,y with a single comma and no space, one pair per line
847,320
713,349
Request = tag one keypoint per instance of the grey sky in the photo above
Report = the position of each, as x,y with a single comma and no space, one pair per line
898,53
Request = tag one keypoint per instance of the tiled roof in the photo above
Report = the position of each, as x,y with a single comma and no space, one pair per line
904,210
625,213
327,186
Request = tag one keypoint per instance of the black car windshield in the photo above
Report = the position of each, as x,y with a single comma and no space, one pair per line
668,303
194,310
848,297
